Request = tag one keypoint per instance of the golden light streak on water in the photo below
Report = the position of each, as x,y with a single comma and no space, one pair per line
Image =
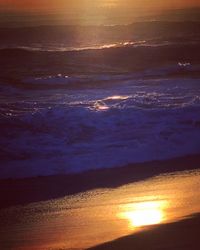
91,218
144,213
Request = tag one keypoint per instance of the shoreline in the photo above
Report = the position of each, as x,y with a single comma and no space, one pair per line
24,191
182,234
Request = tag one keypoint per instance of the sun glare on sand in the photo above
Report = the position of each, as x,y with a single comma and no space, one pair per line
143,214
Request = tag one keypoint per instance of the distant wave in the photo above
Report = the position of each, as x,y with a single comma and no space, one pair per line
78,82
94,80
61,48
128,44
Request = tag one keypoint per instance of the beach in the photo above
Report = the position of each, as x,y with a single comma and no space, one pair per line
179,235
78,212
100,136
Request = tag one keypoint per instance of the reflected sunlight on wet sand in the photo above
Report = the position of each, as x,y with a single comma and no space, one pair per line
94,217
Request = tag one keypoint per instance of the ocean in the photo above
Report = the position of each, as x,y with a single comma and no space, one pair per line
80,98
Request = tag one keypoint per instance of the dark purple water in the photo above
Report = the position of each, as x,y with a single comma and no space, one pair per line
73,104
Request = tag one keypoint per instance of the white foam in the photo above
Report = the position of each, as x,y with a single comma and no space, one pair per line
64,131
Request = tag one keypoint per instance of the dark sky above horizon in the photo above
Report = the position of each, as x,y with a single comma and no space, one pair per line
87,11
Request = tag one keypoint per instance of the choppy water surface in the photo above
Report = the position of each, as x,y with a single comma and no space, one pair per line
78,98
91,119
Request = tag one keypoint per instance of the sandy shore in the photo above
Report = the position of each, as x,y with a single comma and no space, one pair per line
102,215
86,210
182,235
24,191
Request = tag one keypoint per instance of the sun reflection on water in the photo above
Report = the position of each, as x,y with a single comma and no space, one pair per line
108,102
100,106
117,97
97,216
144,213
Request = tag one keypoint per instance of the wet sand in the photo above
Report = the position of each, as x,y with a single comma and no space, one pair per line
24,191
182,235
90,218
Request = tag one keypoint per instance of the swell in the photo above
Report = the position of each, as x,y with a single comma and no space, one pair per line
21,63
129,44
88,34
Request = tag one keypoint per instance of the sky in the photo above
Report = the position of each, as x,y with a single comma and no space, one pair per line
87,11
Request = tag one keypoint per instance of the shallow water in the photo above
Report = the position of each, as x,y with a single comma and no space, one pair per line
94,217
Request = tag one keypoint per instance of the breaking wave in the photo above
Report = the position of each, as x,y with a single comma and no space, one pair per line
63,131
